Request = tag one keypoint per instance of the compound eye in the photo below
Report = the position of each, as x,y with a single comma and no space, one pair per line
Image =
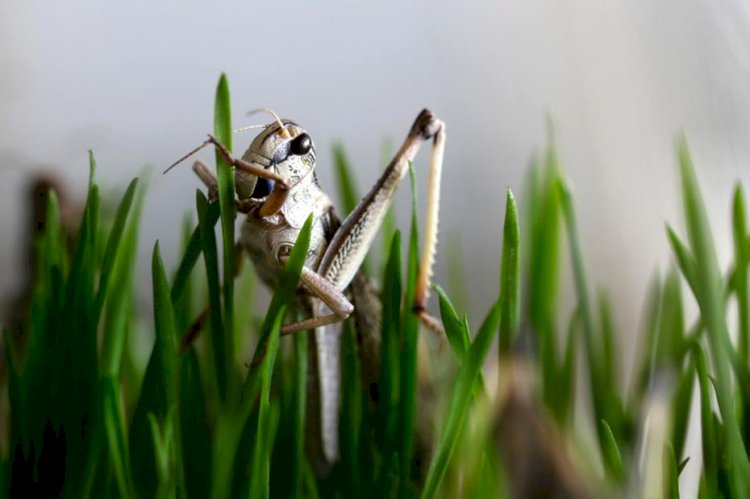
301,145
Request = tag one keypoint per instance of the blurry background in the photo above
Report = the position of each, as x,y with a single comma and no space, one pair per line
134,81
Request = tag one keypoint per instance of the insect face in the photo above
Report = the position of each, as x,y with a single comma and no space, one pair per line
288,152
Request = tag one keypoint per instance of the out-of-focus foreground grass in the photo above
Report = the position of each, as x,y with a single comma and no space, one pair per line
205,419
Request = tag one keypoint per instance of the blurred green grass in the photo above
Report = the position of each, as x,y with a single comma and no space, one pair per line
205,423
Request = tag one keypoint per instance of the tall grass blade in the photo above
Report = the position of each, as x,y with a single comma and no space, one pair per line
225,179
113,244
741,263
195,431
210,257
606,403
387,412
166,338
300,394
510,277
408,357
265,356
710,292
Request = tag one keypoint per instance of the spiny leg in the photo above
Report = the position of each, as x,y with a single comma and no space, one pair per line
352,241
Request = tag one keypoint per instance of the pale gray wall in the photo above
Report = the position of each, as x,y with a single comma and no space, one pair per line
134,81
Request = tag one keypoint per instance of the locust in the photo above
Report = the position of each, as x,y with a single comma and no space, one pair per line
277,188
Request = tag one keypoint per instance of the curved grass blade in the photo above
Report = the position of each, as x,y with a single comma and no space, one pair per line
113,244
458,335
685,260
612,455
460,399
672,484
708,430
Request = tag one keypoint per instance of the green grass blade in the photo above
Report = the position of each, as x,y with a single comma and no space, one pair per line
408,357
510,277
225,179
609,350
166,338
189,259
210,257
710,292
261,368
119,298
458,336
741,263
681,409
118,306
460,400
73,383
345,182
708,431
113,244
351,415
544,245
183,301
543,235
282,296
164,452
563,409
195,431
151,400
115,431
605,403
300,395
612,455
650,334
685,260
671,483
230,430
387,412
260,474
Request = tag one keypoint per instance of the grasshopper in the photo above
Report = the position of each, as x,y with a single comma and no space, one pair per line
277,189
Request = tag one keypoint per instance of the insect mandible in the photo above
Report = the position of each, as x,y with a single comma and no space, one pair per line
277,189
